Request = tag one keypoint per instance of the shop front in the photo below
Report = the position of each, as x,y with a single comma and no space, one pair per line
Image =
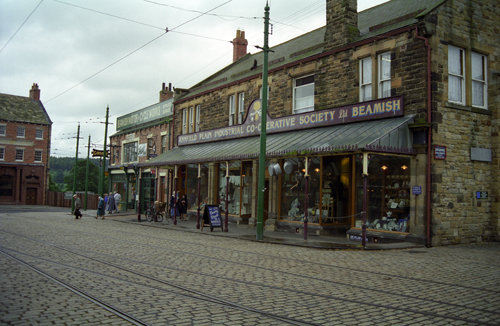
314,169
124,182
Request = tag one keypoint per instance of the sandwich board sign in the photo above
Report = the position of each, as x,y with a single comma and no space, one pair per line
211,217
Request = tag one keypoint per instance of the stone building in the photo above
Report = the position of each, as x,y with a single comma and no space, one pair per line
404,95
25,131
141,136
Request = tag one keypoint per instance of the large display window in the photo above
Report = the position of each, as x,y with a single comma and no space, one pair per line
388,193
234,190
192,185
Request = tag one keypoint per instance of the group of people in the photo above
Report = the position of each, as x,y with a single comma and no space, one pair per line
179,207
110,203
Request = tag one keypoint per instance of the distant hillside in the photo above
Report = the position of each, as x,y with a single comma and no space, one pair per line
61,167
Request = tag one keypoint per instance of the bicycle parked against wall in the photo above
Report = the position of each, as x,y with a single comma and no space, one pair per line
156,212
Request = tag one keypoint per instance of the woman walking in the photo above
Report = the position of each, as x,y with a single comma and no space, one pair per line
100,208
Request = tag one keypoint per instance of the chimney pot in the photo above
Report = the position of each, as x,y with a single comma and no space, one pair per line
239,45
35,92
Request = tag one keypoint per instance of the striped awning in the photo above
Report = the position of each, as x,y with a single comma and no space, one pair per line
383,135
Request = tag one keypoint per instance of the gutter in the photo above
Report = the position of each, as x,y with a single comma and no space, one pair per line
429,134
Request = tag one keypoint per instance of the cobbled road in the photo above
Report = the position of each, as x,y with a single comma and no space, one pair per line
58,270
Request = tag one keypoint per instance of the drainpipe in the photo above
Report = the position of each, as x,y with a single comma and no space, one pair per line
429,133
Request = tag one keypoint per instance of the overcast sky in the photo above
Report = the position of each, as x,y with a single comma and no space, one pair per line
86,55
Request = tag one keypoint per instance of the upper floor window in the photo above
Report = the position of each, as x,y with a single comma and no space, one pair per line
197,125
3,130
384,75
231,110
151,148
39,134
303,94
20,132
184,121
260,92
130,152
365,77
191,119
2,153
479,82
241,107
163,144
456,75
19,154
38,156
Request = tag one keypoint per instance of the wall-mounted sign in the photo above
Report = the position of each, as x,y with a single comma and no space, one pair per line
370,110
416,190
152,112
98,153
439,152
481,195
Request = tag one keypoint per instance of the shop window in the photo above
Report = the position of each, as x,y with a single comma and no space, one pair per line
21,132
456,75
130,152
197,124
191,119
192,186
388,193
241,107
3,130
6,185
479,82
231,110
38,156
39,134
336,190
2,153
234,190
365,77
384,75
20,155
303,94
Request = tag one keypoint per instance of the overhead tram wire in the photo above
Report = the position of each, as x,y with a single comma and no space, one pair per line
112,64
38,5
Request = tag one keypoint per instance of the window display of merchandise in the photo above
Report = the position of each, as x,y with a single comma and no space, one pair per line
239,192
192,185
388,193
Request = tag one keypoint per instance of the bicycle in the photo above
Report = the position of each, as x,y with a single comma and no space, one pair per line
153,215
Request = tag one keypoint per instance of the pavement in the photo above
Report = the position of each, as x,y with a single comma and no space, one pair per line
245,232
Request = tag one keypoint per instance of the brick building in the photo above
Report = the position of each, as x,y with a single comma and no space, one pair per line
140,136
25,131
404,94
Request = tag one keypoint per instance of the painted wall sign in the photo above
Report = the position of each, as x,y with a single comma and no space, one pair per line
416,190
382,108
153,112
439,152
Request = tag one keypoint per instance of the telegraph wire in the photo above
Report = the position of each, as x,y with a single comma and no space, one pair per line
21,25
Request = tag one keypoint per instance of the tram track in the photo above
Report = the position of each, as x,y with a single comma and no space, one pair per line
293,292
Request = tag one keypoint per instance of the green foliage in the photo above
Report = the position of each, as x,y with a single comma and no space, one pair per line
52,185
81,171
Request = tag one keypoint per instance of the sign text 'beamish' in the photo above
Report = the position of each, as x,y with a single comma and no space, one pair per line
382,108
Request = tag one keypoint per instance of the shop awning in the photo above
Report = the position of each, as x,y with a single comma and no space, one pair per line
384,135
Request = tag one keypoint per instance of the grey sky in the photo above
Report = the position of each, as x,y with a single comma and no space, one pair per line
83,59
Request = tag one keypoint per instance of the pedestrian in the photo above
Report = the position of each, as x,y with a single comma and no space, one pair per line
183,207
100,208
78,205
174,206
118,198
111,203
106,202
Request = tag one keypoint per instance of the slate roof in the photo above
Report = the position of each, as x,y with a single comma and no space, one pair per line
22,109
372,22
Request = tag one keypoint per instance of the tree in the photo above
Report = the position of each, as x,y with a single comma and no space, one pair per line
52,185
81,171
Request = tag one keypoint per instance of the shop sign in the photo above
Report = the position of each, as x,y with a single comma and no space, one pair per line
481,195
99,153
439,152
370,110
153,112
354,237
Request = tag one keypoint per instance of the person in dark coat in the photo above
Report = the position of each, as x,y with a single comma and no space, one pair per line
174,203
100,208
111,203
183,207
78,205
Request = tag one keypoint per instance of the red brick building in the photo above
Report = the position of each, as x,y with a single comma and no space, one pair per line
25,131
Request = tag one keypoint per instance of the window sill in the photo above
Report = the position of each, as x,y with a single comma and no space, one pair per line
467,108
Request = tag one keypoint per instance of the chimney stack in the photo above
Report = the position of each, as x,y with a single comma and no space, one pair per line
341,23
166,94
239,45
35,92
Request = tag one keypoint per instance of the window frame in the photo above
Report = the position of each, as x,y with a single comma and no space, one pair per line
191,119
2,153
241,107
38,152
184,121
3,130
484,81
23,129
197,123
381,80
232,109
294,92
36,134
19,152
163,143
365,84
127,154
461,76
